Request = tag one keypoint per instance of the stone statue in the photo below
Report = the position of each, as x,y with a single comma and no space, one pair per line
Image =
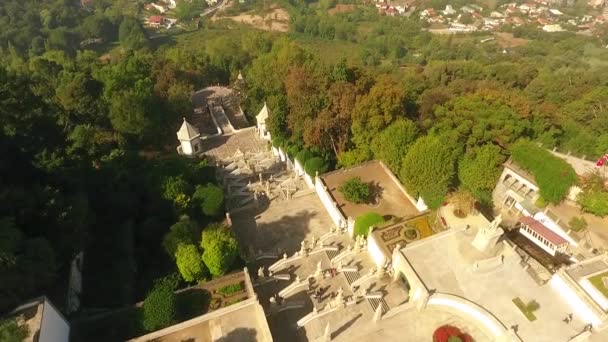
487,237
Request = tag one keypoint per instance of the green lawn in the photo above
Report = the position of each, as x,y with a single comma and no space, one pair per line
597,282
524,309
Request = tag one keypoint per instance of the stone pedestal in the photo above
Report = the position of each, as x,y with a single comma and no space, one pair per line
487,237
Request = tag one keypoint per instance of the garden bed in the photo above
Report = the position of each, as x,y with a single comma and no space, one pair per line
526,309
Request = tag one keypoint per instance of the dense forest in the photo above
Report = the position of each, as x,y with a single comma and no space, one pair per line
87,143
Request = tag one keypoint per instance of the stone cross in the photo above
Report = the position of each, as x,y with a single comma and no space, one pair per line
303,249
340,297
380,272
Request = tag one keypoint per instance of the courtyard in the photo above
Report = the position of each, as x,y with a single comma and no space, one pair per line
391,198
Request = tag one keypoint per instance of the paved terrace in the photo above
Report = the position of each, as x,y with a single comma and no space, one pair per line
391,197
444,265
225,146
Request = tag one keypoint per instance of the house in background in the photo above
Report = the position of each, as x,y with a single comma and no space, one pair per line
44,322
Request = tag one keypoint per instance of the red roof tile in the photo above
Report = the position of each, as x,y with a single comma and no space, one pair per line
543,231
156,19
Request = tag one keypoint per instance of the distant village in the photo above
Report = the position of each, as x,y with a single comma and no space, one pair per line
159,13
473,17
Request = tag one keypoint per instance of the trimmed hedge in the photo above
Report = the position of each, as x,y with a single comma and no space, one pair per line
553,175
314,165
363,222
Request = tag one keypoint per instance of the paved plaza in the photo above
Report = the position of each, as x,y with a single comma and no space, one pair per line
283,225
451,272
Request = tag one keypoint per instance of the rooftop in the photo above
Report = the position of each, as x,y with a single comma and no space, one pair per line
187,131
391,197
240,322
510,164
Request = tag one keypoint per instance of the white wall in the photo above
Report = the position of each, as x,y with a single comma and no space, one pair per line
375,251
580,308
53,327
336,216
186,147
474,312
298,167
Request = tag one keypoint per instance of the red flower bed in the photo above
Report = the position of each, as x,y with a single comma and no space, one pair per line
443,333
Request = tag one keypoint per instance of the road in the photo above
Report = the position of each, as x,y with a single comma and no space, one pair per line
220,4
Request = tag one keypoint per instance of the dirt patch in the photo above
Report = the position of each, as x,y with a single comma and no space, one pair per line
506,40
341,8
276,20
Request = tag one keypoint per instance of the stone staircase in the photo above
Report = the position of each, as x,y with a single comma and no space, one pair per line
351,277
332,254
221,119
375,302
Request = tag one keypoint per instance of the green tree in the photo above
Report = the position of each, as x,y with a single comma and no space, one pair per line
183,232
11,331
177,190
133,112
392,144
354,190
373,112
160,309
314,165
131,34
220,249
189,262
186,10
365,221
479,170
428,170
210,199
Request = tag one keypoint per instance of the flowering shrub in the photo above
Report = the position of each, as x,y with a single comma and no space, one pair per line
448,333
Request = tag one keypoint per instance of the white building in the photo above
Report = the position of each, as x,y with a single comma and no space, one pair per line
159,8
44,322
189,138
171,3
261,122
449,10
542,236
553,28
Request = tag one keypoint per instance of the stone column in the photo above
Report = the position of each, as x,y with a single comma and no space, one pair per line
327,333
319,269
378,313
